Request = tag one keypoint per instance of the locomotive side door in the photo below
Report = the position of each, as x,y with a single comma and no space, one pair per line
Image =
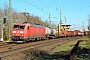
28,31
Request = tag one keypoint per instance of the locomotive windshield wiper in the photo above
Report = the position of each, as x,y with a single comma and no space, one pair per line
21,27
16,27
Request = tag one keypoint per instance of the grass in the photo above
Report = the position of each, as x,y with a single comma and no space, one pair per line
69,45
65,47
84,45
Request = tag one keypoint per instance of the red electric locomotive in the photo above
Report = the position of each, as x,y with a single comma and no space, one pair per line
26,32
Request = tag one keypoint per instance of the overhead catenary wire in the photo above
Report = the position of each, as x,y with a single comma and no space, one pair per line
42,2
42,9
35,6
47,6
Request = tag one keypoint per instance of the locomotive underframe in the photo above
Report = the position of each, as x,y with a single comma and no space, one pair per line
27,39
33,38
16,38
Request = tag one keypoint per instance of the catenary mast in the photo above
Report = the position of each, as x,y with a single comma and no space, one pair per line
10,19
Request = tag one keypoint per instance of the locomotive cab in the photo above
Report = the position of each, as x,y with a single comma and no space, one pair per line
18,33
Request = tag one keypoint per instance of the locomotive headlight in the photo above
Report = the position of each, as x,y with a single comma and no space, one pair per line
14,31
21,31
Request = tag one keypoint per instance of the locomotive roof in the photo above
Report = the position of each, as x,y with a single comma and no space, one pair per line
37,25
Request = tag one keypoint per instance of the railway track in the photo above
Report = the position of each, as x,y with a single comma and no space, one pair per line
3,43
6,45
22,47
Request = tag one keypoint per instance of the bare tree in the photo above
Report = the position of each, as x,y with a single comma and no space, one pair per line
19,17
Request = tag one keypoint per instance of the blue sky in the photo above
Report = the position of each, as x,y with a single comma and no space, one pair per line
75,11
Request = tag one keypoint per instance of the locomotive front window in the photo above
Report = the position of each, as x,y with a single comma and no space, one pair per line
16,26
21,27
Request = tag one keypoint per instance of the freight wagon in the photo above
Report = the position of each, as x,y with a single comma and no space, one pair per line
50,32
